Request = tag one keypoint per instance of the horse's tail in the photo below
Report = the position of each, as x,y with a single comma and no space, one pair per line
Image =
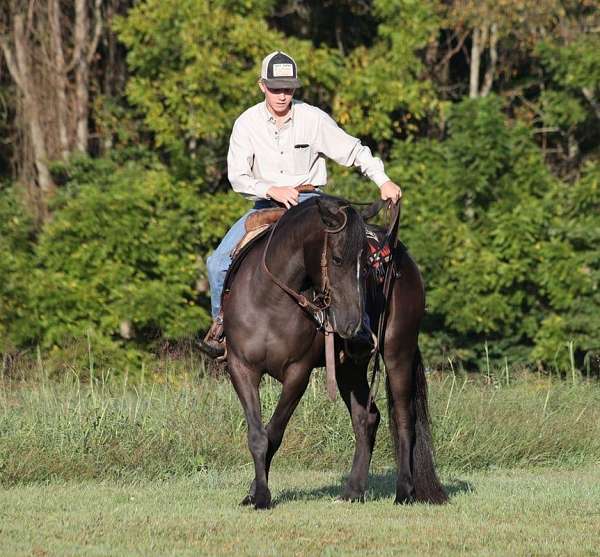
428,488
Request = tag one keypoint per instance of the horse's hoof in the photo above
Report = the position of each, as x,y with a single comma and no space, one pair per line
353,495
404,500
262,502
246,501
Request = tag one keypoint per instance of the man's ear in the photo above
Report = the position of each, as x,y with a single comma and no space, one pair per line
262,87
329,212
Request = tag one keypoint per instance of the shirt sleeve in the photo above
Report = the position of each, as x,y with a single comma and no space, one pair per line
346,150
240,159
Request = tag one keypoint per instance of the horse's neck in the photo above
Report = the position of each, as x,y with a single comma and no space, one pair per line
286,255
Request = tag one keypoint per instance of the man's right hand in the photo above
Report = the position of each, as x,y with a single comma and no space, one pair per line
287,196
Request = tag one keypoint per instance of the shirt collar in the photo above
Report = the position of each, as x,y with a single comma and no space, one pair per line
270,118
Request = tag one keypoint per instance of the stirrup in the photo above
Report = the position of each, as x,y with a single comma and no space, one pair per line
213,349
213,344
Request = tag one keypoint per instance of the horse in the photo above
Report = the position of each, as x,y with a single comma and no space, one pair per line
320,246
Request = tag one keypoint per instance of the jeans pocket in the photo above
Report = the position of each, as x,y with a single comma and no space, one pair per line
301,159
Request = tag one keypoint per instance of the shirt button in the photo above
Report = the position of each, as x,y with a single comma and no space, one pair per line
282,152
281,172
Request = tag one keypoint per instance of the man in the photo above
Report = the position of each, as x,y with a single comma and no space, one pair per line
275,146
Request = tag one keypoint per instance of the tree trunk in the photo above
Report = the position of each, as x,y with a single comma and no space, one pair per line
489,74
60,78
475,62
40,155
82,94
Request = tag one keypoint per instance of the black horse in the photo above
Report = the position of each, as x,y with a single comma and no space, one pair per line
267,330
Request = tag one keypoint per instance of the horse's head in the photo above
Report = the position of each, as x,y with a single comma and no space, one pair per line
343,264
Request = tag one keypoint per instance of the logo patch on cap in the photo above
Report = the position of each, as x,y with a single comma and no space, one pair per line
283,70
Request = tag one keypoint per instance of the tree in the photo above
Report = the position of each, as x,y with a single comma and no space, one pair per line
48,48
194,68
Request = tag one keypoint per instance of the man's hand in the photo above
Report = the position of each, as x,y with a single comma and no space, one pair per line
287,196
391,191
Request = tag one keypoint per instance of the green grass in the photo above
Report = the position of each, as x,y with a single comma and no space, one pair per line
515,512
158,468
109,430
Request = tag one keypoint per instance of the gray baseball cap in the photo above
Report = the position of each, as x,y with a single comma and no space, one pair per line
279,71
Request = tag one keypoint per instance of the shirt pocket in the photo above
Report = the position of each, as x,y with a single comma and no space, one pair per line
301,158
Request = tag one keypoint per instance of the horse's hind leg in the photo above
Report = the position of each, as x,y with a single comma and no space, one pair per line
399,386
354,388
246,382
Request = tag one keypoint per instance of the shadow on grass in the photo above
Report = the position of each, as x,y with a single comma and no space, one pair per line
381,486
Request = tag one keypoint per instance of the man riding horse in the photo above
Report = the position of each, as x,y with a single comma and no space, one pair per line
276,146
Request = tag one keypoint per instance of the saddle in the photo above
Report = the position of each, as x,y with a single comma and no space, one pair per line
257,223
261,220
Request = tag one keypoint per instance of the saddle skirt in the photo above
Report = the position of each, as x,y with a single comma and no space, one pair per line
255,224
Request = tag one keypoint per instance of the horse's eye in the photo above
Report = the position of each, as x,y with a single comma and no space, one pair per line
336,260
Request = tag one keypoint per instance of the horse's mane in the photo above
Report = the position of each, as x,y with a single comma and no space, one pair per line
355,227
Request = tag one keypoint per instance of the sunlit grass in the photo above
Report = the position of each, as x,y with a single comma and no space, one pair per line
174,424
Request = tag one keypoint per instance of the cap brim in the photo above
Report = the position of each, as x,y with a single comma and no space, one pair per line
282,83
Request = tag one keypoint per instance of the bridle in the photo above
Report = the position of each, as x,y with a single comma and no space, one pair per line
322,300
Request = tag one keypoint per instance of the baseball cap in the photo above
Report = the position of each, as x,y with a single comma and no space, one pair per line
279,71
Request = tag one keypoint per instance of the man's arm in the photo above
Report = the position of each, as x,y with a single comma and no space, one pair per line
240,158
346,150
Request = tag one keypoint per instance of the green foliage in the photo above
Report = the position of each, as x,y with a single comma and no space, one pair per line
16,235
382,92
195,66
569,270
122,248
509,252
575,65
476,214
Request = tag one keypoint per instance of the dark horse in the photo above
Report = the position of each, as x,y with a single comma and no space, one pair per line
269,332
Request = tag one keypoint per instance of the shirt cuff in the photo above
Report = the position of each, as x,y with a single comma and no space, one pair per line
260,189
380,178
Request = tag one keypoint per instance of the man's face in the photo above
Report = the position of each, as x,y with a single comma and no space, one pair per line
277,99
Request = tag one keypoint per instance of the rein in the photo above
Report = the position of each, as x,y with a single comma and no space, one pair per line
324,298
321,302
391,238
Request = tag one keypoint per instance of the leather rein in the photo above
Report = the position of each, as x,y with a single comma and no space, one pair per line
322,301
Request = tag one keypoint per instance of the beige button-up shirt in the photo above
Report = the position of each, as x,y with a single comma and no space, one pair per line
262,155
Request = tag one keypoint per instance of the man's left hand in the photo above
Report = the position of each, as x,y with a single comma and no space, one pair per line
391,191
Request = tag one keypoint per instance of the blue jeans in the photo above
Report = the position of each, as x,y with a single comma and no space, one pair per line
220,260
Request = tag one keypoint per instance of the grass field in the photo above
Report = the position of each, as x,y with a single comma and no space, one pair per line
105,467
517,512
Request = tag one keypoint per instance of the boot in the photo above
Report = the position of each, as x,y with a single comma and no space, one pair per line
213,344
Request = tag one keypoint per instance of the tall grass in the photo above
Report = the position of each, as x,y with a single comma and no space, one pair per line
174,424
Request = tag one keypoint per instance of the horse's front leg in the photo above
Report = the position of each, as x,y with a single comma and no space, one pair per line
354,388
294,385
246,382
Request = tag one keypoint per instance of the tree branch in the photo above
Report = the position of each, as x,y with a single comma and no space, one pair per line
13,67
461,41
591,98
97,31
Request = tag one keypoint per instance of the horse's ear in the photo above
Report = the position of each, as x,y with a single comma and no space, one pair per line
330,212
372,210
